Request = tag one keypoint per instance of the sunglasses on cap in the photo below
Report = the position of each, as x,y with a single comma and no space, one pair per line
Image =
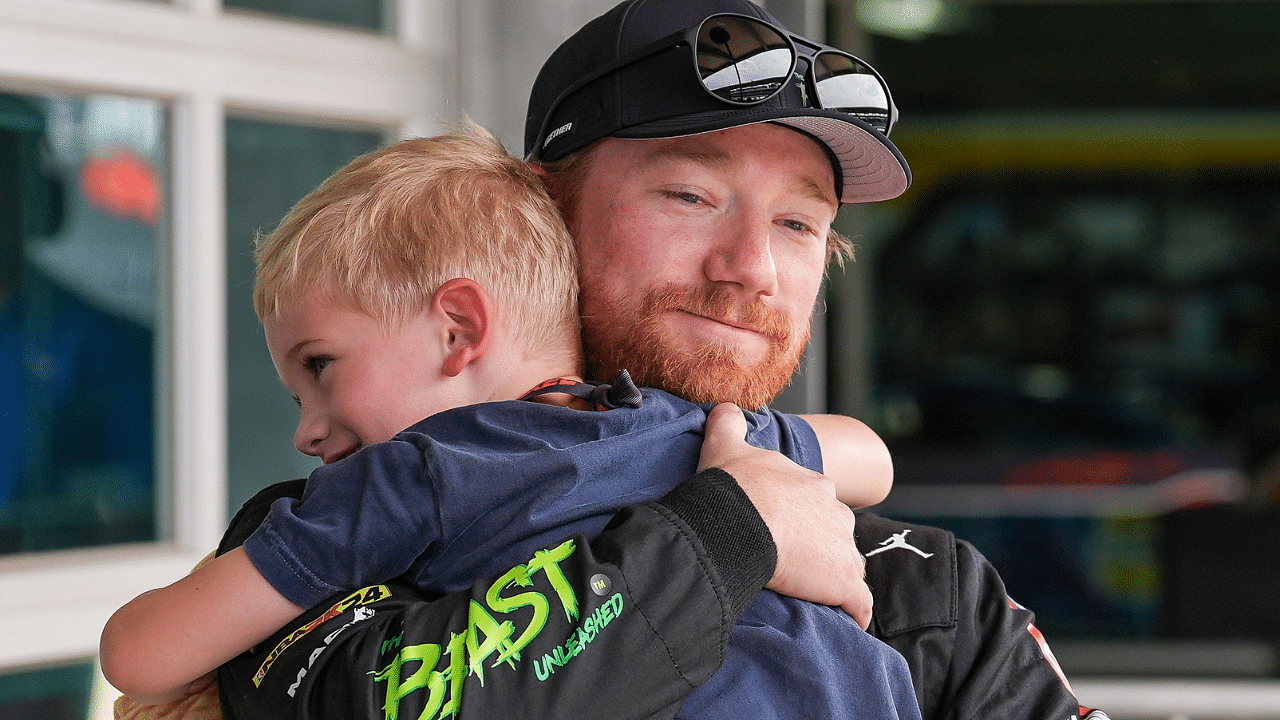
744,61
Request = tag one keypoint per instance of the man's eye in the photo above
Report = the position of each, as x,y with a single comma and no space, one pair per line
685,197
797,226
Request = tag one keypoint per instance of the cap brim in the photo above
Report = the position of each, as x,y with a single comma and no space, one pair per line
871,167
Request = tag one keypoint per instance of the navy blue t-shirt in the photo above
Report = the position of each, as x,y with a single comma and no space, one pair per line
473,491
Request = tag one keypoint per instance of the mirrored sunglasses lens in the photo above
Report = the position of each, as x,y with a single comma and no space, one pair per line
843,83
742,60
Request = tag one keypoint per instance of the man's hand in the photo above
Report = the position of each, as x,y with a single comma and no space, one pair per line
818,560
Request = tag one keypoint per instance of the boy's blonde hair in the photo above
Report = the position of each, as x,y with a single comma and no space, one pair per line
382,234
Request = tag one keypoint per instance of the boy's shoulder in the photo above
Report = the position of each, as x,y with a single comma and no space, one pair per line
254,511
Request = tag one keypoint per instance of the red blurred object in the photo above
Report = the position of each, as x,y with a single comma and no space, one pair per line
1099,468
122,184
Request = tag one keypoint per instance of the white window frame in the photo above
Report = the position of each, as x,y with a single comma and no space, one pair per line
206,63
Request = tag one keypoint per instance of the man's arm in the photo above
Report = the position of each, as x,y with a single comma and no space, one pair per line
653,599
972,651
625,625
818,559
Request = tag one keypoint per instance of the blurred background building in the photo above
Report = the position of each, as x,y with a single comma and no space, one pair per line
1068,330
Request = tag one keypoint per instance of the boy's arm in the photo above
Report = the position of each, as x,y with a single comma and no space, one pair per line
854,458
202,705
162,642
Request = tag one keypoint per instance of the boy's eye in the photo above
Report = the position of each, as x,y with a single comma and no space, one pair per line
316,364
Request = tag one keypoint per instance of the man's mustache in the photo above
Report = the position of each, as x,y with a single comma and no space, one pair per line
718,304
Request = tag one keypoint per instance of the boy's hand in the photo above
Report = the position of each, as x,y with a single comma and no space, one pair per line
818,560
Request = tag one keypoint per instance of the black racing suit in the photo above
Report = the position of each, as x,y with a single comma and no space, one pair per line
627,624
973,652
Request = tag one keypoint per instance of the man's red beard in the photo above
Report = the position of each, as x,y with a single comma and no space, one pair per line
617,337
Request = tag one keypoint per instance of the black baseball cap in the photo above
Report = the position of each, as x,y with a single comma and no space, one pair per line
660,97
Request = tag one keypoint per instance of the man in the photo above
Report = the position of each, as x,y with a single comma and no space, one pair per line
701,186
710,148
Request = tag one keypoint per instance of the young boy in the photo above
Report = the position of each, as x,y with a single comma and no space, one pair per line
434,279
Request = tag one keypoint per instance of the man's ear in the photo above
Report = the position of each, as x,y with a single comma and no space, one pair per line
468,313
548,179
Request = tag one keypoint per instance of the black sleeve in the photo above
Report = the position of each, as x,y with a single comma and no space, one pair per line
973,652
624,625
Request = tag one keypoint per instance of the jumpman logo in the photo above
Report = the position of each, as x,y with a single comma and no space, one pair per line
899,540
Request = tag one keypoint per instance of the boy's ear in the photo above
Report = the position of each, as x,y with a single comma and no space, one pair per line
468,312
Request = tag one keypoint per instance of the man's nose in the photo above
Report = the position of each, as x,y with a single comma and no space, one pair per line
743,255
311,432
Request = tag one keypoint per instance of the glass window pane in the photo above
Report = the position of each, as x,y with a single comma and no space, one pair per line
54,693
1073,362
82,189
270,166
372,15
1077,360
